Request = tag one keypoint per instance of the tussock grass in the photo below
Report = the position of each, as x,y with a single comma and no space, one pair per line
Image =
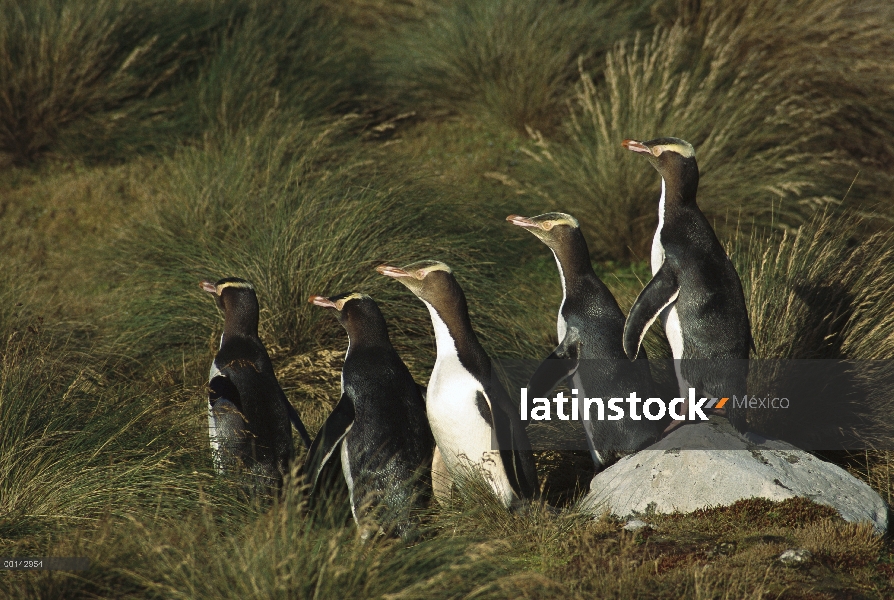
294,56
507,61
773,142
827,285
76,445
271,205
65,62
282,555
266,206
823,292
104,79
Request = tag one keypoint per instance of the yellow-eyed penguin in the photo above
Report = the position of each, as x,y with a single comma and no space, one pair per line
473,419
248,413
590,353
379,429
695,287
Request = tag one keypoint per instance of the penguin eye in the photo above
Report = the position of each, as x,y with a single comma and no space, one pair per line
420,274
339,304
657,150
547,225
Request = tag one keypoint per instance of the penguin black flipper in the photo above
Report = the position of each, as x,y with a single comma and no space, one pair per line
562,363
328,441
295,419
660,292
513,442
267,447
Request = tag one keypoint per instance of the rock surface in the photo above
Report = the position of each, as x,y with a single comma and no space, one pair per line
711,464
795,557
636,525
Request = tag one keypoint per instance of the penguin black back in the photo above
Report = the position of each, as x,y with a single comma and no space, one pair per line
695,287
590,327
249,414
379,427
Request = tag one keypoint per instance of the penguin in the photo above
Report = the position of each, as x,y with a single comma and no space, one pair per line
590,353
248,413
475,423
378,429
694,287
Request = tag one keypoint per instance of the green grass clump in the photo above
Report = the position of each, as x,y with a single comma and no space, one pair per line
79,442
268,205
824,292
505,61
772,143
103,79
294,56
296,211
65,62
821,292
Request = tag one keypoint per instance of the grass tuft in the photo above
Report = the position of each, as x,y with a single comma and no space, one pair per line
64,62
822,293
293,56
509,62
771,148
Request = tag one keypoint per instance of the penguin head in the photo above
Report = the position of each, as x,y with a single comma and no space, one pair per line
673,158
358,314
239,303
554,229
431,280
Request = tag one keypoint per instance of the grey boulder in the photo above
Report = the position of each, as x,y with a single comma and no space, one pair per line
712,464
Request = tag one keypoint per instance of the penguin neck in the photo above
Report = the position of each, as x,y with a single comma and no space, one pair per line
240,322
573,261
454,336
678,192
371,332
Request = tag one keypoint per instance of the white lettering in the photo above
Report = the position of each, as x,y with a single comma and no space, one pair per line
632,400
541,412
619,412
661,410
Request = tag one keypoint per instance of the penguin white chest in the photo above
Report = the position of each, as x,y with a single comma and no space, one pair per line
674,331
346,471
453,412
561,325
465,439
669,316
467,442
657,254
212,427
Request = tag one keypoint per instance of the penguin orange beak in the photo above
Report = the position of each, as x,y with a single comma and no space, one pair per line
208,287
322,301
635,146
523,221
392,272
